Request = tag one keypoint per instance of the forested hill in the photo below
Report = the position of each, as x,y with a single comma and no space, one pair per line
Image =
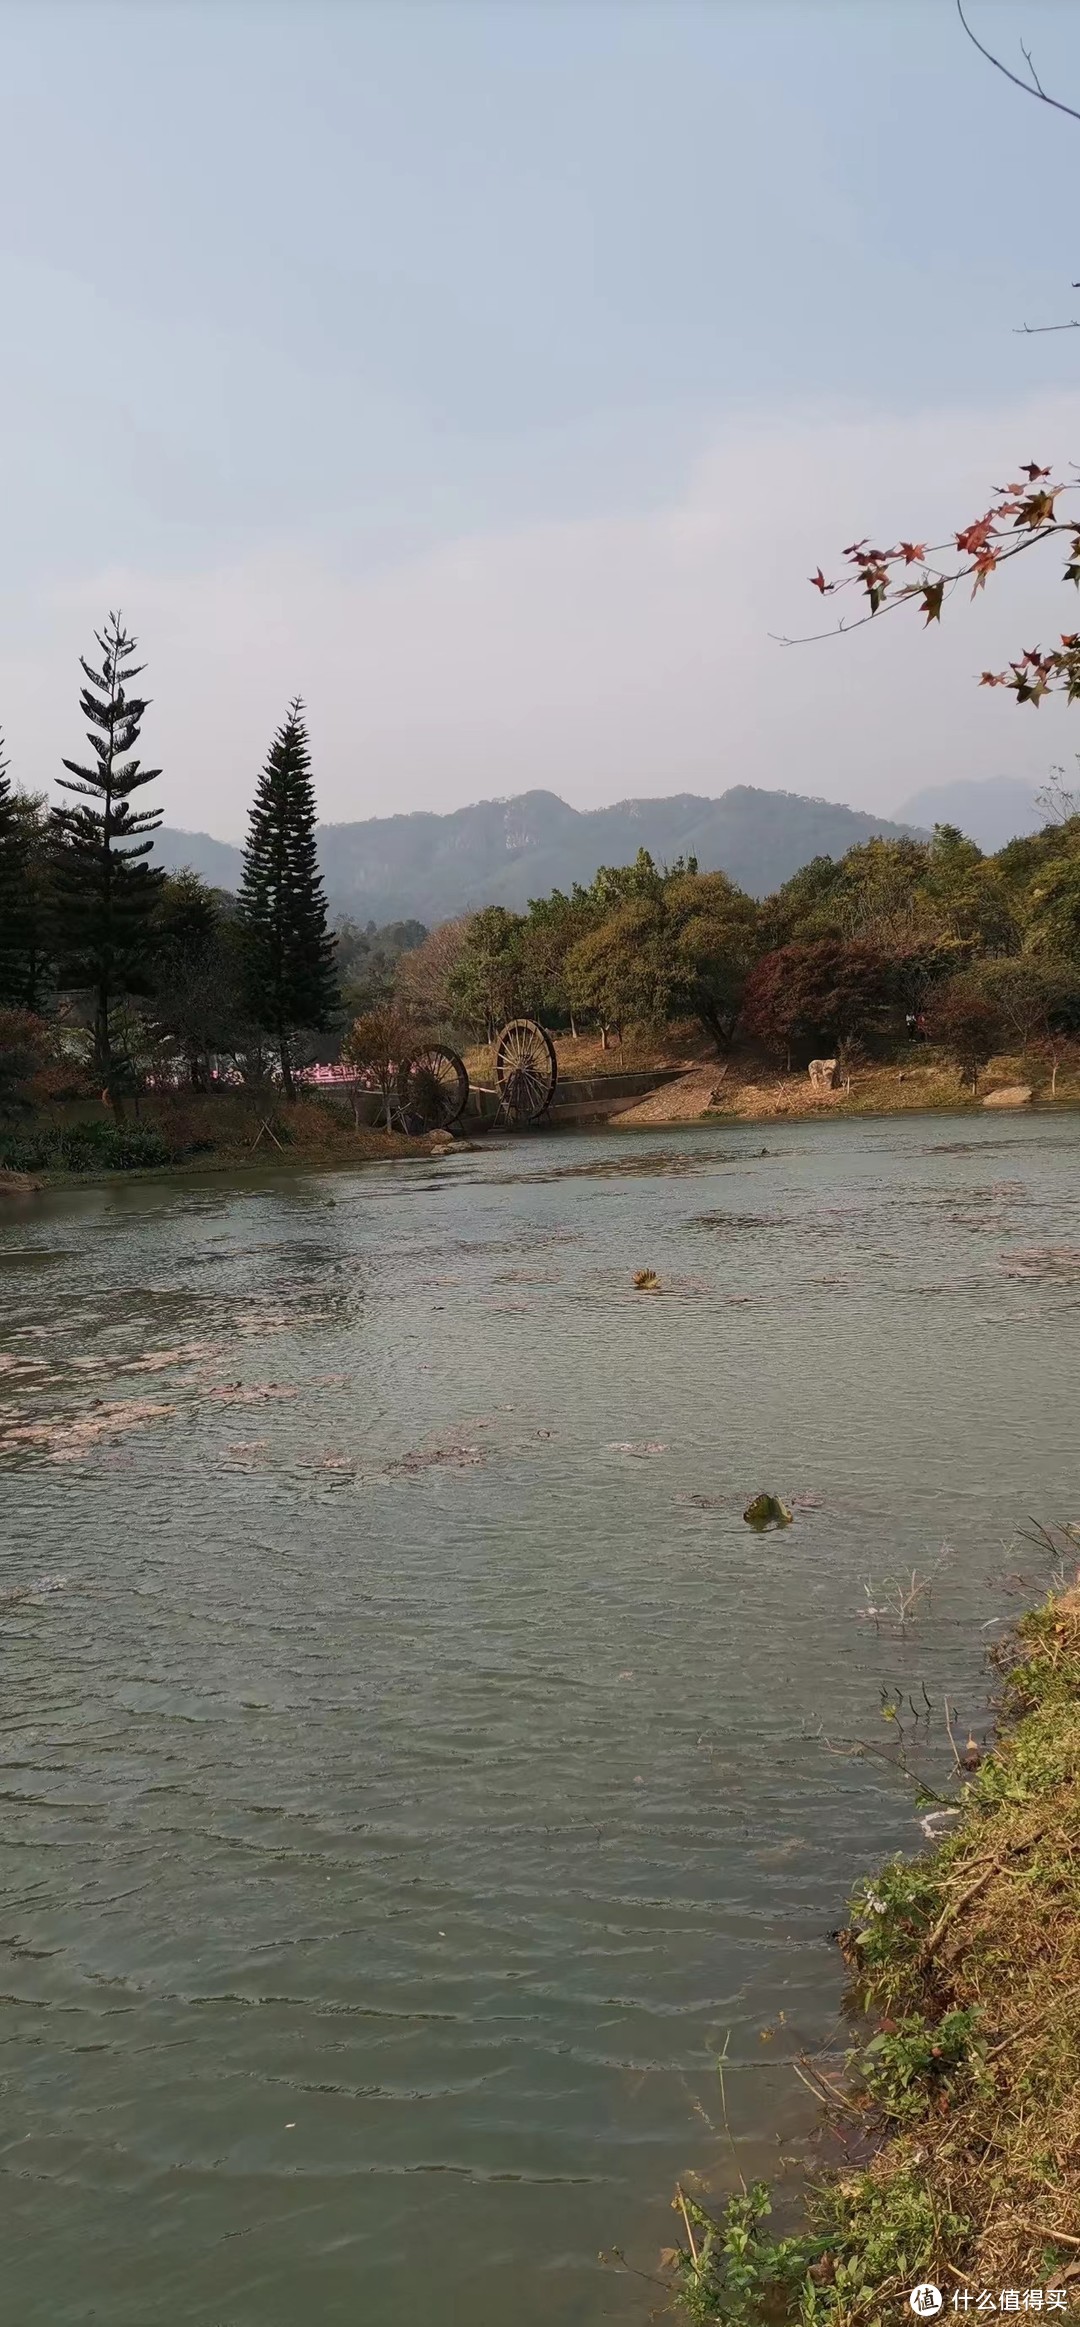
502,852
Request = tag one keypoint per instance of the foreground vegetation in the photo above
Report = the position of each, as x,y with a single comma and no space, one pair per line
180,1131
967,1962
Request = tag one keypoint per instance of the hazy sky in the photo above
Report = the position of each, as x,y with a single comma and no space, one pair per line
494,372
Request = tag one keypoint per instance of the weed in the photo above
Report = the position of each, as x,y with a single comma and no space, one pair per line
85,1147
912,2059
969,1960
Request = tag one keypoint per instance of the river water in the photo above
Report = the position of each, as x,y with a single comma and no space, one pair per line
415,1773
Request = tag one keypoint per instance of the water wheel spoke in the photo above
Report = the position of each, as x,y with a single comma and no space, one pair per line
432,1088
526,1070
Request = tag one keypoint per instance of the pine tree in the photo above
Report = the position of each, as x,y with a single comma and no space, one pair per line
289,954
104,892
22,857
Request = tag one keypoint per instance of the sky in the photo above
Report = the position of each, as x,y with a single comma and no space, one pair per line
493,373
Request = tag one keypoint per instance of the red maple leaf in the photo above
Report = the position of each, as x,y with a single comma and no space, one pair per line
1033,471
913,552
975,537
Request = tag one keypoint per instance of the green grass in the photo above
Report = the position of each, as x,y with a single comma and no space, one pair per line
84,1147
967,1965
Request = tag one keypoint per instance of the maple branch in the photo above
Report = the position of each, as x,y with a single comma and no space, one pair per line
1030,330
1030,514
1032,88
904,597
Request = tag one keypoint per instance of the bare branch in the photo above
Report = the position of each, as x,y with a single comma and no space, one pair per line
1032,88
1030,63
1031,330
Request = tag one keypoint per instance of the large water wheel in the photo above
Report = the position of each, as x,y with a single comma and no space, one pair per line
432,1089
526,1071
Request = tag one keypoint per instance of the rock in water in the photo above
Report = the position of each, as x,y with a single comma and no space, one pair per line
1014,1095
767,1511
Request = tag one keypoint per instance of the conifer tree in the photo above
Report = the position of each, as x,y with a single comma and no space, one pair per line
104,891
289,953
22,855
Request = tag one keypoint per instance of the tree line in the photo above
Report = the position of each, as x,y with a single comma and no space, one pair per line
108,961
978,953
141,976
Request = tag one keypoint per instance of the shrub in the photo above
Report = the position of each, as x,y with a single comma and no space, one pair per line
85,1147
23,1049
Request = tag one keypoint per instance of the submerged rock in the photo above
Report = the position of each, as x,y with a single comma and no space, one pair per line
767,1511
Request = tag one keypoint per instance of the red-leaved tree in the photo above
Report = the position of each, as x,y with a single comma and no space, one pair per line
817,996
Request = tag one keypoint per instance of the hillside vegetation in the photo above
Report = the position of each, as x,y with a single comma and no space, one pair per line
502,852
899,948
918,966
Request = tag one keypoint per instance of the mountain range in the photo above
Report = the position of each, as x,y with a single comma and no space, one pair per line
502,852
990,809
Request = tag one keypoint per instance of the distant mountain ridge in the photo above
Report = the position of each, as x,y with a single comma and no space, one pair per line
502,852
992,810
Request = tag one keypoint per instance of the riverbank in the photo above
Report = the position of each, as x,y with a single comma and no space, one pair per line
967,1963
744,1088
187,1133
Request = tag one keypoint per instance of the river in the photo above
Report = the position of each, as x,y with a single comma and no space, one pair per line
415,1772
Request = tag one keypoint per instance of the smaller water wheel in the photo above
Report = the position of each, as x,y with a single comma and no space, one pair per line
526,1071
432,1088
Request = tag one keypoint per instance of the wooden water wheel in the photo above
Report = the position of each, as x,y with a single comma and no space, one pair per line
432,1088
526,1071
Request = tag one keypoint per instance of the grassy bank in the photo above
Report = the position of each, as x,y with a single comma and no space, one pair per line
224,1130
967,2089
748,1088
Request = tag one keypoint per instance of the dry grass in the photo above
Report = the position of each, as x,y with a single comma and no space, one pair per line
313,1130
18,1183
223,1128
678,1045
750,1089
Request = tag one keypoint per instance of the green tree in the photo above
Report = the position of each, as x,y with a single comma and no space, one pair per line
367,960
289,953
625,971
673,944
104,891
23,1052
967,895
713,927
1033,995
485,985
807,906
551,929
199,1005
23,891
1053,903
